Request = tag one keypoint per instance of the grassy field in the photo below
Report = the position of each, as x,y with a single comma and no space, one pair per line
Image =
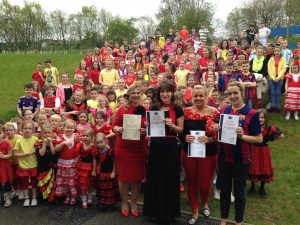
282,205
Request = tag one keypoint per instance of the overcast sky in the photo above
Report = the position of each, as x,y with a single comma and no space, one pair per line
125,8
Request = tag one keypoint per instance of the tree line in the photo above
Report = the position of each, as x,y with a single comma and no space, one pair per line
274,13
32,27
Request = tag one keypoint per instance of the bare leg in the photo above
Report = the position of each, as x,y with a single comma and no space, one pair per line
26,193
124,189
223,222
195,213
135,190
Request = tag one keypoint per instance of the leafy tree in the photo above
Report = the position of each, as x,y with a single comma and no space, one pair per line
119,28
176,13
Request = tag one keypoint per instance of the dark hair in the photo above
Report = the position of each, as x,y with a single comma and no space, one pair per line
83,111
165,85
98,65
48,61
102,115
263,111
228,64
111,92
28,85
221,43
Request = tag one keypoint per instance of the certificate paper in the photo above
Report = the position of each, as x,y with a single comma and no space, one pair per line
196,148
132,126
156,125
228,124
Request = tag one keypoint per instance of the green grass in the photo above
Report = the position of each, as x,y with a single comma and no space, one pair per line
16,70
282,205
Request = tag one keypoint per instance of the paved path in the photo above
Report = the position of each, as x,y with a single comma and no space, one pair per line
60,214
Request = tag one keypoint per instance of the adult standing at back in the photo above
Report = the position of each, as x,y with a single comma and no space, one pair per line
263,34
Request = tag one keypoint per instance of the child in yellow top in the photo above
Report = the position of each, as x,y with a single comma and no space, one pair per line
25,152
181,74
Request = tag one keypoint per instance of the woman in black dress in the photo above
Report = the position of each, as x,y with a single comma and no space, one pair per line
162,196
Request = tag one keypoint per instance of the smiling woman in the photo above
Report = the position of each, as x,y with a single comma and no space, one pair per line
199,171
235,160
164,161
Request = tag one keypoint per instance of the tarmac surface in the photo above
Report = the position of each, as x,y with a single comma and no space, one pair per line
60,214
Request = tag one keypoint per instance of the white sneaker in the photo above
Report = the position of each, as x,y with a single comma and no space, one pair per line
268,106
217,194
21,195
296,117
26,202
14,194
34,202
288,116
232,199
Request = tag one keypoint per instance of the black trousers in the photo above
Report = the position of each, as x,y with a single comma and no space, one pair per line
7,186
237,174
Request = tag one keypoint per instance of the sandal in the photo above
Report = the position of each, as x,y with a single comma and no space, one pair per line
206,212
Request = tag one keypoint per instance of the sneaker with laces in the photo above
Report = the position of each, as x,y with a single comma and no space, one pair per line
34,202
26,202
217,194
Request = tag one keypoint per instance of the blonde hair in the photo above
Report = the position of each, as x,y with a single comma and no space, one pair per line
69,122
89,131
101,136
130,90
11,124
56,116
237,84
46,126
199,87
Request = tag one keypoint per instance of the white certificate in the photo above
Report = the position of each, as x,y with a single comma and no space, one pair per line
196,148
131,126
228,124
156,125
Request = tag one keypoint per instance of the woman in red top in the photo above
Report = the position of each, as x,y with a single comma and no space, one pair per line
130,155
199,171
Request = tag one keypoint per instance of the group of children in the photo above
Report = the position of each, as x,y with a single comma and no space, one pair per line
53,160
61,145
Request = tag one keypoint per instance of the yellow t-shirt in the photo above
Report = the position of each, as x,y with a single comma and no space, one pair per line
119,92
52,75
181,76
109,77
113,106
25,145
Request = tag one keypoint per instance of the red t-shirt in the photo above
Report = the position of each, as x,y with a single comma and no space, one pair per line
36,77
89,61
129,80
184,34
94,75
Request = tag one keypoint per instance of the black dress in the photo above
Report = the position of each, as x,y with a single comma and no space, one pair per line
162,195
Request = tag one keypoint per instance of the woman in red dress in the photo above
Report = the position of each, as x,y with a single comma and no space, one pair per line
130,155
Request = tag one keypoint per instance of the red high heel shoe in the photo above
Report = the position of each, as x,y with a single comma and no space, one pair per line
135,213
125,212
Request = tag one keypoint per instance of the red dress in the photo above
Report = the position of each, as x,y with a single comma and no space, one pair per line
130,155
107,187
262,168
85,167
292,100
6,172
